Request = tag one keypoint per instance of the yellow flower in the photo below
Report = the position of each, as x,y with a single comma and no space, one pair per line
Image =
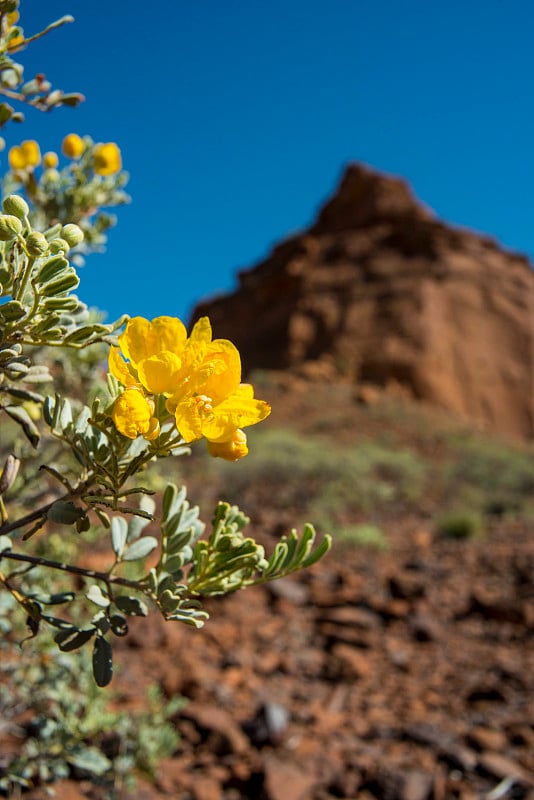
232,450
107,159
153,349
50,160
200,377
24,155
72,145
211,401
133,415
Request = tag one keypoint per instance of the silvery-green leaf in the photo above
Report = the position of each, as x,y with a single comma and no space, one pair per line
89,759
96,596
20,415
140,548
136,525
119,534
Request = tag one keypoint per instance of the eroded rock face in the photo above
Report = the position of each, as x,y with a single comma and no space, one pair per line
382,292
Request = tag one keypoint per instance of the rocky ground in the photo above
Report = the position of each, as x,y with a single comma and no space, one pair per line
398,674
404,675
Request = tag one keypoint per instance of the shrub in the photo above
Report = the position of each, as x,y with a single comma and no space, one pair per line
460,525
364,535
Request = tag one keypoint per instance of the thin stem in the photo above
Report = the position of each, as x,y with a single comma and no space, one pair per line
7,527
88,573
40,513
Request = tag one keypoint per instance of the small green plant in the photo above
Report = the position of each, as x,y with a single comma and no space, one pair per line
69,726
499,474
364,535
304,472
460,525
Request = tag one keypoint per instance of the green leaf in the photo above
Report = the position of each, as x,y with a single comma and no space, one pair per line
53,599
305,543
173,564
322,549
73,638
57,622
12,310
96,596
118,624
65,512
136,525
102,516
131,605
173,498
102,661
140,548
21,416
37,373
89,759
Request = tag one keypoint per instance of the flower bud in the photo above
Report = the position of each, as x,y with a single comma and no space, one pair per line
107,159
51,175
36,243
50,160
15,205
10,227
59,246
73,145
72,234
231,450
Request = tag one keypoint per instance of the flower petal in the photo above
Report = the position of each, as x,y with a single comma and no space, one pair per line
119,368
235,412
137,341
221,369
170,334
188,419
201,331
159,372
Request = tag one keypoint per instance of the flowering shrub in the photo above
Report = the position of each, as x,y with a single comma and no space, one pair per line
81,467
90,180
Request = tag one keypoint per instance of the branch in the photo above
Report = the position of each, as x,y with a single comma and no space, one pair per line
88,573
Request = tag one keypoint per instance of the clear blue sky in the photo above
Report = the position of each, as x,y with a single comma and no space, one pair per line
236,117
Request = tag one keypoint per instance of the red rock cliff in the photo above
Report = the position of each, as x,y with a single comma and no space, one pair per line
383,291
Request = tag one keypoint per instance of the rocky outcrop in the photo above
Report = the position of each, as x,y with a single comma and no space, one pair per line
380,291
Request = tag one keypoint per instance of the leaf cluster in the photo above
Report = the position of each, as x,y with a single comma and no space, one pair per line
72,727
36,92
72,194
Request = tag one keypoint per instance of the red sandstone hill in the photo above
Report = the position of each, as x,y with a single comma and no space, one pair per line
378,290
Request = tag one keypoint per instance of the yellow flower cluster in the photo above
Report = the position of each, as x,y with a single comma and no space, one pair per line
106,158
200,378
25,155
